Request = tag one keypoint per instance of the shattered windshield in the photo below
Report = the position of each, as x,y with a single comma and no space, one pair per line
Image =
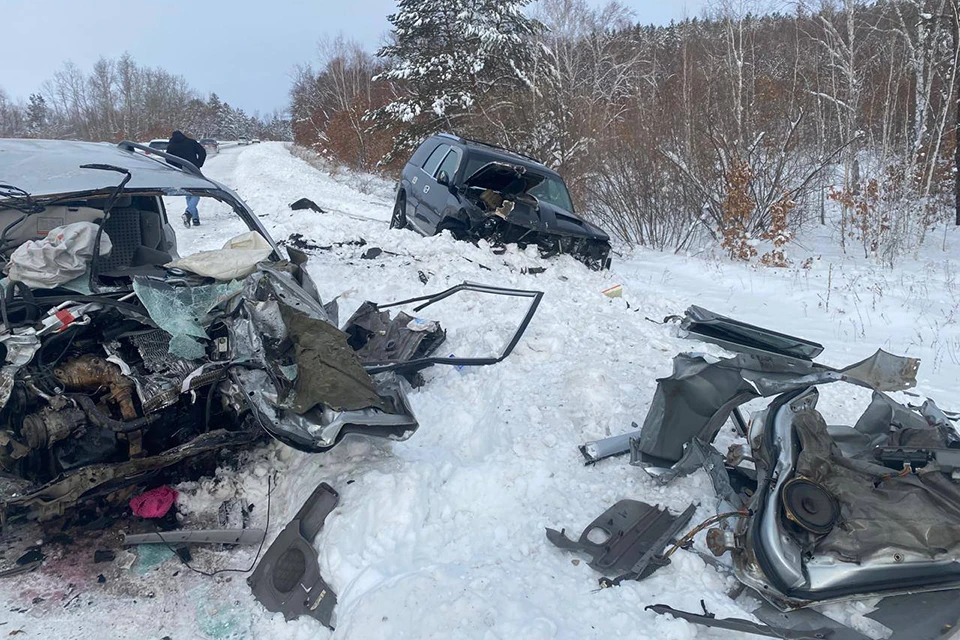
552,190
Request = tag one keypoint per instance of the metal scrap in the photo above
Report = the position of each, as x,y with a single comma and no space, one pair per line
626,539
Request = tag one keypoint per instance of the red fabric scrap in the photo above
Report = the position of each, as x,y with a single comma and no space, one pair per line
154,503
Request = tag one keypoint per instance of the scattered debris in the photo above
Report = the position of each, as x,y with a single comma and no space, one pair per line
626,539
306,203
183,552
378,338
32,555
288,578
104,555
18,570
532,270
207,536
423,277
371,253
150,556
616,291
391,358
701,324
807,497
153,503
297,241
707,619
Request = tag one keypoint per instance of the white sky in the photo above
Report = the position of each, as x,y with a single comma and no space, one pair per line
244,50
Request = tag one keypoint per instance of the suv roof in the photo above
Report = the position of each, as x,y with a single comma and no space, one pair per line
494,150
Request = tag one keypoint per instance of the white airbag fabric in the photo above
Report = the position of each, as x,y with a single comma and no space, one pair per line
237,259
62,256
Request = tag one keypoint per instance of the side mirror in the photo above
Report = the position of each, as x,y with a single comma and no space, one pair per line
443,178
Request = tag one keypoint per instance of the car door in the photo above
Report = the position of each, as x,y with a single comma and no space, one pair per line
440,200
422,184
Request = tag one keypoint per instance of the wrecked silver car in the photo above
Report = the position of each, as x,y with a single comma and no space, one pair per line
125,364
810,511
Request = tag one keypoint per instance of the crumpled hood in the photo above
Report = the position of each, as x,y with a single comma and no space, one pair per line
549,218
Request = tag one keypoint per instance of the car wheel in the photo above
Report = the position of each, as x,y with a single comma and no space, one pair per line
456,228
399,218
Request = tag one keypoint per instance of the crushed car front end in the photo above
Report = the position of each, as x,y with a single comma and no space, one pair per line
138,368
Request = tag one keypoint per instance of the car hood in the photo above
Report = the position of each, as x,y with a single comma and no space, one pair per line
549,218
508,179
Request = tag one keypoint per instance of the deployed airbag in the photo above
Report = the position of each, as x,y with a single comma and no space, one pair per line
237,259
63,255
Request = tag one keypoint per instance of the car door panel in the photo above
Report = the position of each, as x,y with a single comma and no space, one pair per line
440,198
423,184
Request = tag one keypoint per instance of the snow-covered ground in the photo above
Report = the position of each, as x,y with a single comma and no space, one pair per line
442,536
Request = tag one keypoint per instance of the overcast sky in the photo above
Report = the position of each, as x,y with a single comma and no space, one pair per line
244,50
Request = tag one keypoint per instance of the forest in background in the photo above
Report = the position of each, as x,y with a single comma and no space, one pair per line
121,100
736,129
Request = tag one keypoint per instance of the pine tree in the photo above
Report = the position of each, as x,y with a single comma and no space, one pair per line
449,58
36,115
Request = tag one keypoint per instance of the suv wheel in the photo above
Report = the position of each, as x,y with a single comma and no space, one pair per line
456,228
399,218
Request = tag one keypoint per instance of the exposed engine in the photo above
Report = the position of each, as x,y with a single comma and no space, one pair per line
104,390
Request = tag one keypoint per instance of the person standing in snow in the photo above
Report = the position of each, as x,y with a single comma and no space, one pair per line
189,149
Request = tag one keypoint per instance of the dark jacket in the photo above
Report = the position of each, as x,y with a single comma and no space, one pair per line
186,148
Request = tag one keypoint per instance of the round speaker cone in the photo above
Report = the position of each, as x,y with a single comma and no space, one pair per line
810,505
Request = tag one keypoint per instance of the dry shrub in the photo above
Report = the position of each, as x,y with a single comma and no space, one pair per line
862,218
779,232
738,208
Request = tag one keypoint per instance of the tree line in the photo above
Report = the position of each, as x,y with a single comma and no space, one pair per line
738,128
121,100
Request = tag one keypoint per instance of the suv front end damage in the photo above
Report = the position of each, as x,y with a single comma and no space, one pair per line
503,212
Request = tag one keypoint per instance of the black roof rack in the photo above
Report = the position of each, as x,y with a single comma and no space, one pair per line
444,134
178,162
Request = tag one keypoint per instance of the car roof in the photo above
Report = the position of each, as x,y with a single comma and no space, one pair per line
52,167
494,150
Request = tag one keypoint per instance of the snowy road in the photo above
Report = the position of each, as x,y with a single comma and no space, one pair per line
442,536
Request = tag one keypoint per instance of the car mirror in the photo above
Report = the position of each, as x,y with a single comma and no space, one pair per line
443,178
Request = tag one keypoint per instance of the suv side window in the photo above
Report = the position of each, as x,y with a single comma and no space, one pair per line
450,163
430,166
